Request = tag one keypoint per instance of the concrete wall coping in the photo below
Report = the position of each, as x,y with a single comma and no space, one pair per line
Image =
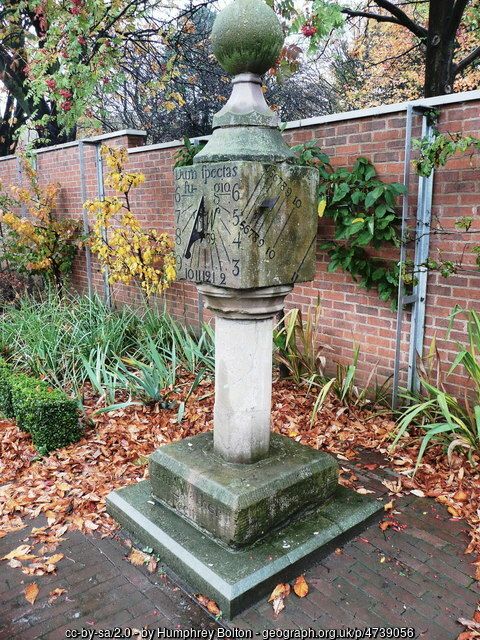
93,139
398,107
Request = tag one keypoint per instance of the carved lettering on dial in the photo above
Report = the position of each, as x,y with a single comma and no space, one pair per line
245,224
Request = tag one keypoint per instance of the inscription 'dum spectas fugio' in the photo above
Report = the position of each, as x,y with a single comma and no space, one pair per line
245,224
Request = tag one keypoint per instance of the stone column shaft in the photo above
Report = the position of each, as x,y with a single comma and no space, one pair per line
243,388
243,369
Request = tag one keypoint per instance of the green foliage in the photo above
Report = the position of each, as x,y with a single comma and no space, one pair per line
152,375
76,339
184,156
444,418
193,352
362,208
316,22
436,153
49,415
51,337
297,349
103,376
302,358
344,386
6,407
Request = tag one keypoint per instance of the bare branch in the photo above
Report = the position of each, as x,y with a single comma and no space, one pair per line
403,18
457,13
371,16
472,56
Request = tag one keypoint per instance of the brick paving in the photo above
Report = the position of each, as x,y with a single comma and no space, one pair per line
416,577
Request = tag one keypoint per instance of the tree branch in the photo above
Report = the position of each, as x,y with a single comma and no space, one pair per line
457,13
403,18
373,16
472,56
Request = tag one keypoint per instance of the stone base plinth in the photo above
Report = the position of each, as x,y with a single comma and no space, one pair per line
237,578
240,503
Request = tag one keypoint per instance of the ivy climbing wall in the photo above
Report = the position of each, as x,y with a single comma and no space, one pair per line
350,315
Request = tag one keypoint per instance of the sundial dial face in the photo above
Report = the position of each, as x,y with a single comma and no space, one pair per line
245,224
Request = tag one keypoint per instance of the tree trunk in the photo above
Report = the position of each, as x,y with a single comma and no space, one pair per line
439,67
13,118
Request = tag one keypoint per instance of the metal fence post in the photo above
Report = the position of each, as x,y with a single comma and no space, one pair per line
86,226
101,194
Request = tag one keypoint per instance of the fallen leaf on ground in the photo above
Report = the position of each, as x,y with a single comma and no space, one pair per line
20,553
385,524
388,506
278,605
14,563
152,565
53,595
471,624
31,592
362,491
209,604
137,557
281,591
300,586
418,492
54,559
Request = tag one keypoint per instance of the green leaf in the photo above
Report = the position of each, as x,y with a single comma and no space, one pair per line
373,196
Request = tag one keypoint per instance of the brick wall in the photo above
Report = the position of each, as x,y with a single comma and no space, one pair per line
350,315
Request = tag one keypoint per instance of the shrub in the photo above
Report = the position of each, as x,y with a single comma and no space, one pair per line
129,251
43,242
50,416
6,408
441,417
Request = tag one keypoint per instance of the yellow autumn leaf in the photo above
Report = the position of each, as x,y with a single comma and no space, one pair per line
137,557
358,220
388,506
453,512
54,559
321,208
22,550
53,595
281,591
300,586
213,608
31,592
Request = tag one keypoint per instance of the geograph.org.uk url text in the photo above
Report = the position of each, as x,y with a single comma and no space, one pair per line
223,633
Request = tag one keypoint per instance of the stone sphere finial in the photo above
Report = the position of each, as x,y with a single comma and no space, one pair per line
247,37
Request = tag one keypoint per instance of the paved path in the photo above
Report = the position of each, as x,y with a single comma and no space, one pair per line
417,577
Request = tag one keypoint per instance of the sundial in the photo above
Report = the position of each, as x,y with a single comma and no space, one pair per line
245,224
236,511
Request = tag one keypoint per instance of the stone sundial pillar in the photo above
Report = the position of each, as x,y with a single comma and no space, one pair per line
254,232
235,513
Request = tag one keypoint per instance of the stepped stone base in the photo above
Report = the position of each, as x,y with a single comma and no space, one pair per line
236,578
240,503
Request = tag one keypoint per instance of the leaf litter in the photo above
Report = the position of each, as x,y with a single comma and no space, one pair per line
69,486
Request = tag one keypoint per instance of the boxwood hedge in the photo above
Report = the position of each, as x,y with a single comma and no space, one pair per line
49,415
6,407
